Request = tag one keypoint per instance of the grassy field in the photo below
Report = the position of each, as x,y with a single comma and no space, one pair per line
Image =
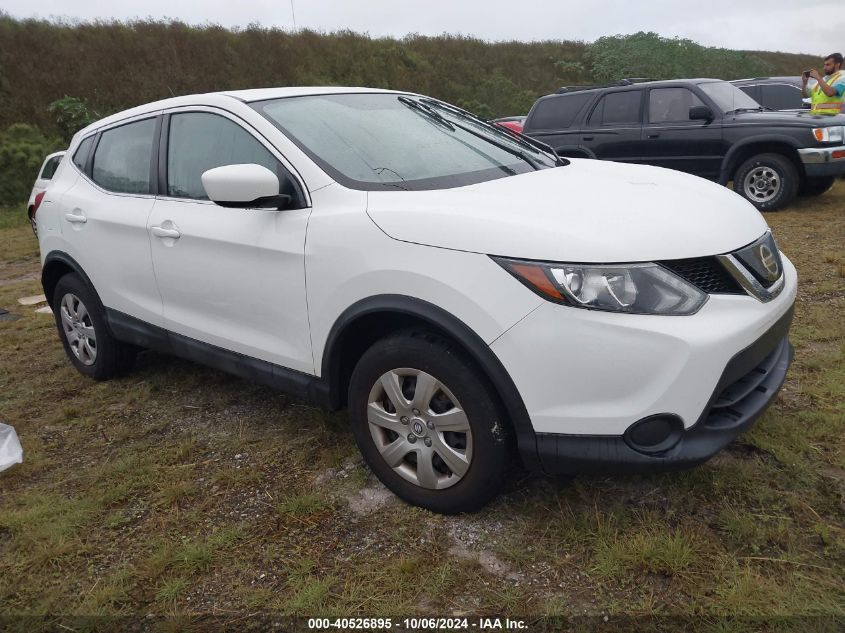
180,491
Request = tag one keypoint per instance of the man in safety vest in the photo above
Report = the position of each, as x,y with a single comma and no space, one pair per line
828,93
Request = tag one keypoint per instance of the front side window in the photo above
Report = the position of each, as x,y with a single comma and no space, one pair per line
199,141
671,105
122,158
388,141
50,168
618,108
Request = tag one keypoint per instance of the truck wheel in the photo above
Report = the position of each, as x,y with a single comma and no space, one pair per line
81,321
427,423
768,181
815,186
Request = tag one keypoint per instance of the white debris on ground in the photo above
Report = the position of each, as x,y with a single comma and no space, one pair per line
11,452
33,300
368,500
45,310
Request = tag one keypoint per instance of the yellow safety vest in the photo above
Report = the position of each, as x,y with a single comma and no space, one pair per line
822,104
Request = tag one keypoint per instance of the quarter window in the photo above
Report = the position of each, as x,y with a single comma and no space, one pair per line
80,156
122,158
200,141
50,168
617,108
671,105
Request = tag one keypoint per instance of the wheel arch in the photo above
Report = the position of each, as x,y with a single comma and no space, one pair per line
742,151
57,264
371,319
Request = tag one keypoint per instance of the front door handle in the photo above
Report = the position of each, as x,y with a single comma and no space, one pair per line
160,231
654,136
588,138
73,218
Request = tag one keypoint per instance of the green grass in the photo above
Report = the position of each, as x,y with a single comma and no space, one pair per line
181,491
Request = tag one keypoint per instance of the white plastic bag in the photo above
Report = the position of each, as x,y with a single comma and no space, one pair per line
11,452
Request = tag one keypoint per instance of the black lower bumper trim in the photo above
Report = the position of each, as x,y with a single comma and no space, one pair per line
770,356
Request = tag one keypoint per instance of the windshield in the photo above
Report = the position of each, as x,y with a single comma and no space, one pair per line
728,97
390,141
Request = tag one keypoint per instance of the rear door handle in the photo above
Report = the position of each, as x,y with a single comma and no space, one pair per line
588,138
160,231
653,136
73,218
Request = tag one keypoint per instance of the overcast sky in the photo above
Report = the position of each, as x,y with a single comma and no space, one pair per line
795,26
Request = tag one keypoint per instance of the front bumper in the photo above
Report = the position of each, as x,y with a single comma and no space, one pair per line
823,161
587,377
740,397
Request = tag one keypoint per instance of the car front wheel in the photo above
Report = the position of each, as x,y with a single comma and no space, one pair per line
428,424
768,181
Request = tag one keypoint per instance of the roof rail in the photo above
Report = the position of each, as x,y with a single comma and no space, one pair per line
622,82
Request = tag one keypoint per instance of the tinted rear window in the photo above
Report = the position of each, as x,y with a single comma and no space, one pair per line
556,113
618,107
780,97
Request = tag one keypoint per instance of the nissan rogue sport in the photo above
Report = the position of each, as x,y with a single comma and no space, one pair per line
466,294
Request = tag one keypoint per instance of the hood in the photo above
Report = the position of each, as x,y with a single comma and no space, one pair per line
590,211
799,118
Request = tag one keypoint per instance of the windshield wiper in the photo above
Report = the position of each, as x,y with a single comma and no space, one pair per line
525,141
738,110
428,112
423,106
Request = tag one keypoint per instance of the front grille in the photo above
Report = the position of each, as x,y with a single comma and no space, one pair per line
705,273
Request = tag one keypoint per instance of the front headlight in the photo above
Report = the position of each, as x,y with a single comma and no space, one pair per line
832,134
631,288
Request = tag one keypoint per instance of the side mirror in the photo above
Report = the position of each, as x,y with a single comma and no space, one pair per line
247,186
700,113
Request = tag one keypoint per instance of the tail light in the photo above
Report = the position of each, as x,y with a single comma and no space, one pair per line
36,204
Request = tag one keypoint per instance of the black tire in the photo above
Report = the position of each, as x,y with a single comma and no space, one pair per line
784,177
111,358
488,440
816,186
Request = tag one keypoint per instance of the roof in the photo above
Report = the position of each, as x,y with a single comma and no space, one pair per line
638,84
219,98
260,94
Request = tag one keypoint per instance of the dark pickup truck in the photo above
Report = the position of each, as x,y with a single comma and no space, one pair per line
705,127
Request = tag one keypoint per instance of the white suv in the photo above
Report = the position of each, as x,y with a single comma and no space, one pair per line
462,291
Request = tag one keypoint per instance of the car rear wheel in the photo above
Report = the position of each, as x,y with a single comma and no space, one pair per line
816,186
768,181
81,321
428,424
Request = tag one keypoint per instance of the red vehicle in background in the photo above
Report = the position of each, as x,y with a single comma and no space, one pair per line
513,123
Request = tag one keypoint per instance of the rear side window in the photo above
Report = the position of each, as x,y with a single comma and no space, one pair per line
558,113
122,158
667,105
50,168
780,97
80,156
200,141
617,108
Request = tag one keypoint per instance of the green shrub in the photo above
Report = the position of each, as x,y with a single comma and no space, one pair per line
22,150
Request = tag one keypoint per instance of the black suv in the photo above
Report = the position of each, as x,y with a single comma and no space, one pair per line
705,127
